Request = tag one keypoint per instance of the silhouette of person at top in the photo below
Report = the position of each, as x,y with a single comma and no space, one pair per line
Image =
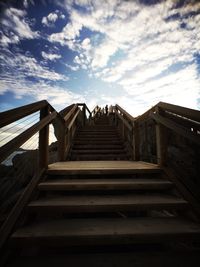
106,109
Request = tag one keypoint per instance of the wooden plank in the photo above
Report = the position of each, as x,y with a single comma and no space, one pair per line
185,112
72,110
15,143
64,111
108,258
74,232
130,118
177,128
108,203
9,223
44,141
136,141
183,189
73,119
102,167
124,121
105,184
15,114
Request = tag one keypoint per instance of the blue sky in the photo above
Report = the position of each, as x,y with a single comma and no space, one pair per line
134,53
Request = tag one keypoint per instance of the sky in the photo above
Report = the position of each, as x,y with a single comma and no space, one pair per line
133,53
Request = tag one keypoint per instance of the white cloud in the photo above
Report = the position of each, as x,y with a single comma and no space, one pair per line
69,33
15,27
50,56
73,68
156,51
27,66
52,18
56,95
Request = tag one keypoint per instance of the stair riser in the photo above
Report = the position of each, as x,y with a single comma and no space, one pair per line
105,208
104,187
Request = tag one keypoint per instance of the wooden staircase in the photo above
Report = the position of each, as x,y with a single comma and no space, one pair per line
102,206
107,205
100,141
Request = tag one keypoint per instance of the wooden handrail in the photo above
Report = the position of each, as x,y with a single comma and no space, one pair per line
11,146
64,111
176,128
124,121
12,115
145,115
130,118
73,119
11,220
72,110
185,112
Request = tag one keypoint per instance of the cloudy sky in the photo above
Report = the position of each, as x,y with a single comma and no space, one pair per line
134,53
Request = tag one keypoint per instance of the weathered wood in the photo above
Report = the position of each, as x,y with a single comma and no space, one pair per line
108,203
183,121
98,167
15,143
177,128
145,115
185,112
12,115
64,111
124,121
136,141
73,119
105,184
127,115
183,189
161,146
69,114
9,223
44,140
74,232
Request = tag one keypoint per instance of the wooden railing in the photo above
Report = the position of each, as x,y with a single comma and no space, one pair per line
147,132
47,115
67,123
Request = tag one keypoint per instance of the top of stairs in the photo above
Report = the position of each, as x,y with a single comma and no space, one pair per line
68,167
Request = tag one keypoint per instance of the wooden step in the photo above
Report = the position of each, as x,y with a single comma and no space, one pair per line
97,138
99,156
105,184
102,167
97,142
73,232
98,133
96,146
106,258
107,203
98,151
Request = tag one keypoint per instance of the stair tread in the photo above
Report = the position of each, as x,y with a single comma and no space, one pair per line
123,181
127,230
133,200
98,151
102,166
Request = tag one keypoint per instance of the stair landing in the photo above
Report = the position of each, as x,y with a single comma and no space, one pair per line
102,166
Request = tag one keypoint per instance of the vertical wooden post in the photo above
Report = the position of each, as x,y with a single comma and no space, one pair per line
136,141
84,115
62,143
160,142
44,141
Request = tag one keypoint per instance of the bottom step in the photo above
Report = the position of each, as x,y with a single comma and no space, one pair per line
77,232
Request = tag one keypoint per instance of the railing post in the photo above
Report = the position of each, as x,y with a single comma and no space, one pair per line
44,140
160,141
136,141
62,143
84,114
